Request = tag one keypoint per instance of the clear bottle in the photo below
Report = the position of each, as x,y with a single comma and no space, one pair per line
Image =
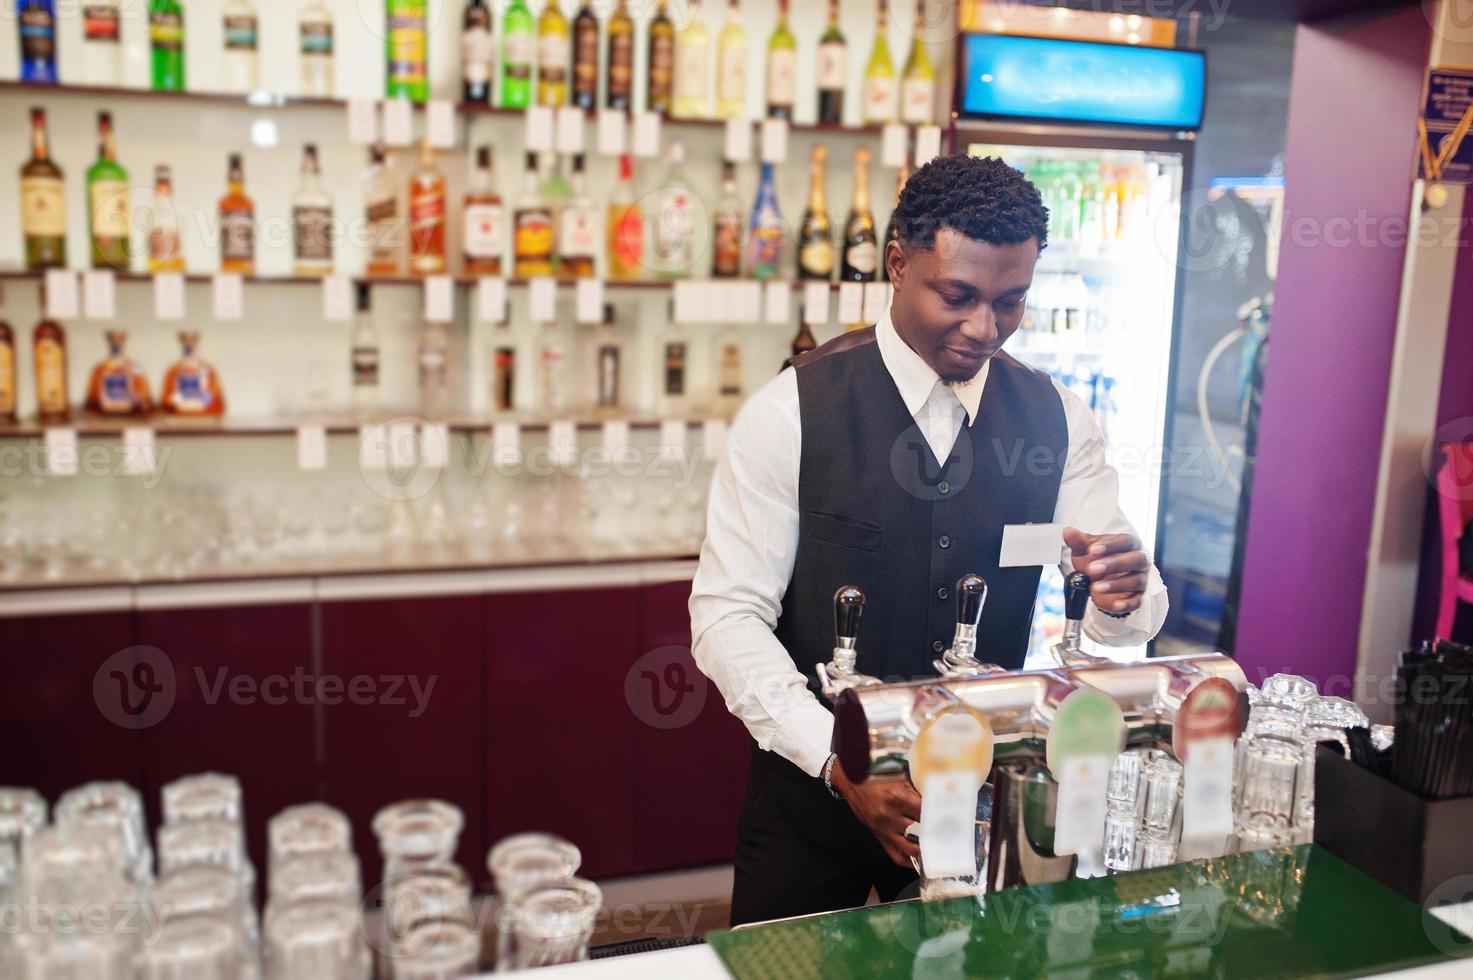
731,66
585,58
782,67
364,357
532,227
102,49
553,57
674,239
315,45
237,223
164,251
518,53
312,219
881,91
552,356
833,70
726,235
625,227
381,210
107,201
427,216
767,233
578,232
556,192
434,385
692,67
241,64
918,84
477,53
661,61
484,224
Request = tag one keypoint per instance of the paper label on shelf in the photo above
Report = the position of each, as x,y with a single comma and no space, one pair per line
440,124
398,122
851,302
686,301
61,451
774,140
538,136
337,298
543,299
373,448
739,140
1207,798
876,301
1083,780
311,447
777,302
948,828
61,295
434,445
616,435
168,296
403,447
362,121
713,439
816,302
646,134
570,130
741,302
139,457
491,299
613,131
562,442
228,291
99,294
928,144
439,299
506,443
1031,544
894,140
590,301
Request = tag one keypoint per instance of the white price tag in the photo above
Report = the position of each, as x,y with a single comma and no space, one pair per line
61,451
434,445
543,290
613,131
928,144
506,443
686,301
646,134
228,291
948,829
539,128
362,121
439,299
570,130
616,435
99,294
894,141
590,301
1083,780
491,299
774,140
168,296
373,447
61,295
1207,798
311,447
816,302
440,124
744,302
403,446
398,122
562,442
739,140
876,301
337,298
139,458
713,439
1031,544
777,303
851,302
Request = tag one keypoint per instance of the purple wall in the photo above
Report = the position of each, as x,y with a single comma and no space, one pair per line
1352,110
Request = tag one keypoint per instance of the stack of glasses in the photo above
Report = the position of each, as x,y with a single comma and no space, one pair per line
429,924
1143,810
22,814
313,926
546,915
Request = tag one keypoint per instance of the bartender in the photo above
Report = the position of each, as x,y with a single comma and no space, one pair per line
893,458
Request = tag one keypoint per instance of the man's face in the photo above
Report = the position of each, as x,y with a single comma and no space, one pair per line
958,302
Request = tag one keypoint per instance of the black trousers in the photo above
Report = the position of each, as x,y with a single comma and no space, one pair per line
801,851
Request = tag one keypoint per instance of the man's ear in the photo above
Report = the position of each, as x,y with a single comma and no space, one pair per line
895,263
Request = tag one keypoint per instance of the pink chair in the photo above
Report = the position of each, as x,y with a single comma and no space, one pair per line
1455,508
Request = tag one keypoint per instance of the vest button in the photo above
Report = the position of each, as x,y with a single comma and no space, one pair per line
944,487
944,541
938,646
942,594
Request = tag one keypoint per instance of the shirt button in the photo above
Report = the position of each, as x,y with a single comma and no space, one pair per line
941,593
944,541
938,646
944,487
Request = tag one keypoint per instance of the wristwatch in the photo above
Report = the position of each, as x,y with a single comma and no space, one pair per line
827,775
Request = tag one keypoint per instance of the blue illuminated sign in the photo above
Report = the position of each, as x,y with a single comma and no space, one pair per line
1080,81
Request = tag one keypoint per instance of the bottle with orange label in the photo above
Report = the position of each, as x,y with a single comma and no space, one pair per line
625,227
191,386
532,227
7,368
48,341
118,386
427,216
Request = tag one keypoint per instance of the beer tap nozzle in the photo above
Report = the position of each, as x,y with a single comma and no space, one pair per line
961,659
840,674
1069,651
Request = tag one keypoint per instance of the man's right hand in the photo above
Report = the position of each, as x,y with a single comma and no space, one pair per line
886,807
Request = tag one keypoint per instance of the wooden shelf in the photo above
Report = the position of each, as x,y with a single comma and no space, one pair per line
87,425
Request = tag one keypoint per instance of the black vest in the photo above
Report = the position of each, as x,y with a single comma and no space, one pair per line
875,510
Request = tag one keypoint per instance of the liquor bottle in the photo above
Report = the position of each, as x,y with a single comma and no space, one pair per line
620,92
102,49
477,53
833,69
381,210
881,93
674,242
918,85
608,379
726,236
118,386
237,223
767,232
48,342
241,63
731,66
815,238
107,200
42,202
484,226
36,20
434,386
315,43
673,353
192,386
585,58
557,191
427,216
892,233
504,379
553,56
577,239
552,356
364,357
518,52
164,252
861,246
804,341
407,40
729,371
692,67
533,229
8,382
661,61
626,227
312,219
166,44
782,67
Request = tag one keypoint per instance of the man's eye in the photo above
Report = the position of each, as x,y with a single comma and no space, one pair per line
1011,304
951,300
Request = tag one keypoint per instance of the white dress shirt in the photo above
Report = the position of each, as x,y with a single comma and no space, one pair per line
752,541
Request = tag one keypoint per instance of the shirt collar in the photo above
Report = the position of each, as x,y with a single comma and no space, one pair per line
914,377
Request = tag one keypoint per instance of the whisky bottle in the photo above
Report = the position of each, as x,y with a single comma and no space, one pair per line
731,66
484,226
609,364
726,235
315,45
107,199
918,85
661,61
42,202
381,210
673,354
8,383
477,53
578,238
102,54
692,67
164,252
532,227
782,67
48,342
504,383
625,227
815,236
553,57
427,216
191,386
518,52
240,66
312,219
36,23
729,372
585,58
364,357
118,386
804,341
833,70
237,224
620,85
407,41
861,246
881,93
166,44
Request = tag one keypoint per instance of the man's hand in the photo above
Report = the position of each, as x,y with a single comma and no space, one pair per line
886,807
1116,565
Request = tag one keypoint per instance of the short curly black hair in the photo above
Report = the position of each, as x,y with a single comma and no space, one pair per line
981,197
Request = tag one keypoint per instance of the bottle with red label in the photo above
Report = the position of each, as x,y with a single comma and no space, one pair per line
191,386
578,237
484,222
427,216
102,48
118,386
626,227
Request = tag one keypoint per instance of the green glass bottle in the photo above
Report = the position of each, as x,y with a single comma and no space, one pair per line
166,43
407,45
107,201
519,50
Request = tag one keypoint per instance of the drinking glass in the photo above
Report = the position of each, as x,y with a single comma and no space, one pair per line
204,889
417,832
325,874
213,842
438,951
1161,812
525,861
552,924
116,806
316,939
1124,805
310,828
195,947
1270,780
208,796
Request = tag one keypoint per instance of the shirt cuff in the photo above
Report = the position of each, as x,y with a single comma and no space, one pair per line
804,736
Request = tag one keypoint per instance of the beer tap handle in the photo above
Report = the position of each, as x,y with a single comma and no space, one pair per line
1076,595
971,595
839,674
1069,651
961,659
848,608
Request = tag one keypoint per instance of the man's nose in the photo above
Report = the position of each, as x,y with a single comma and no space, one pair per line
981,327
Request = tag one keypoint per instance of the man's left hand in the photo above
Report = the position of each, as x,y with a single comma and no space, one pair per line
1117,567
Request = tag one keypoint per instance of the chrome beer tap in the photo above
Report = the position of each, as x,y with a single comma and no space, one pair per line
839,674
961,660
1069,651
